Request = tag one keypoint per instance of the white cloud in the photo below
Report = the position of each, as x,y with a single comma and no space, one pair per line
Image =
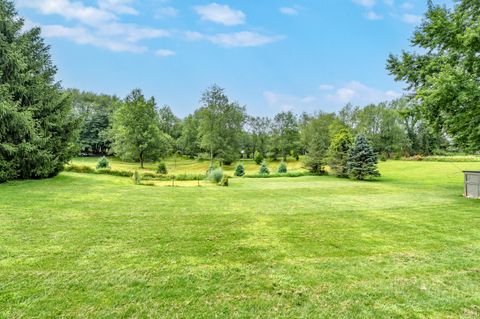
359,93
166,12
221,14
97,26
289,11
236,39
389,2
131,32
411,19
118,6
365,3
81,35
329,98
373,16
70,10
164,53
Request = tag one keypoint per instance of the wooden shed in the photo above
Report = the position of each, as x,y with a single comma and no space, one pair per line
472,184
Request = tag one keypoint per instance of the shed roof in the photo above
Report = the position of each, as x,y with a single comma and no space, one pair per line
475,172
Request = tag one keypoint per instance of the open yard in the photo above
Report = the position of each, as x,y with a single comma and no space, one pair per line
97,246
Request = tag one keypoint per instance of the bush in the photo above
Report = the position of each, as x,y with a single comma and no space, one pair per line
216,175
224,181
282,168
137,178
162,169
79,169
264,169
112,172
258,158
240,170
103,163
383,158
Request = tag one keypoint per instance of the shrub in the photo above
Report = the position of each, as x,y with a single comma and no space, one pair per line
162,169
224,181
240,170
103,163
282,168
137,178
216,175
383,158
108,171
79,169
264,169
258,158
210,169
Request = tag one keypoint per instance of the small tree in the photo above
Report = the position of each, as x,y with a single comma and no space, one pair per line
362,160
338,152
162,169
282,168
258,158
103,163
137,178
240,170
216,175
264,169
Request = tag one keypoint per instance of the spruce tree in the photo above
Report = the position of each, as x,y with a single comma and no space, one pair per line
264,169
37,128
338,152
362,160
239,170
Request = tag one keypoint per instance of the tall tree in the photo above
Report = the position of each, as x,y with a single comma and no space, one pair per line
37,127
95,112
135,131
286,134
188,141
444,72
316,136
220,125
338,152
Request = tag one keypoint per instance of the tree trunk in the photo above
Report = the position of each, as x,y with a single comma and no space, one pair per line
141,160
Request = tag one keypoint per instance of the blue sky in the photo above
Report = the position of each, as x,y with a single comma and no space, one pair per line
269,55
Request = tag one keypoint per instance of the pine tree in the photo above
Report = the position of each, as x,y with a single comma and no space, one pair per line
282,168
37,128
264,169
362,161
240,170
338,152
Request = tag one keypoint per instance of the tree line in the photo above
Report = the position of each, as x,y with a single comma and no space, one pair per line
136,128
42,126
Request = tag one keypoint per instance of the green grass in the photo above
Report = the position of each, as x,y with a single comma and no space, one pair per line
97,246
188,166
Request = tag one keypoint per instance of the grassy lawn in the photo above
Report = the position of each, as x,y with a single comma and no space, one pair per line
188,166
97,246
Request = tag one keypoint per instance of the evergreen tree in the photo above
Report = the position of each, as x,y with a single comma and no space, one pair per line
282,168
264,169
240,170
37,127
362,161
338,152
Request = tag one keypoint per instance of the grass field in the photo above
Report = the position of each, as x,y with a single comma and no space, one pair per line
97,246
187,166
